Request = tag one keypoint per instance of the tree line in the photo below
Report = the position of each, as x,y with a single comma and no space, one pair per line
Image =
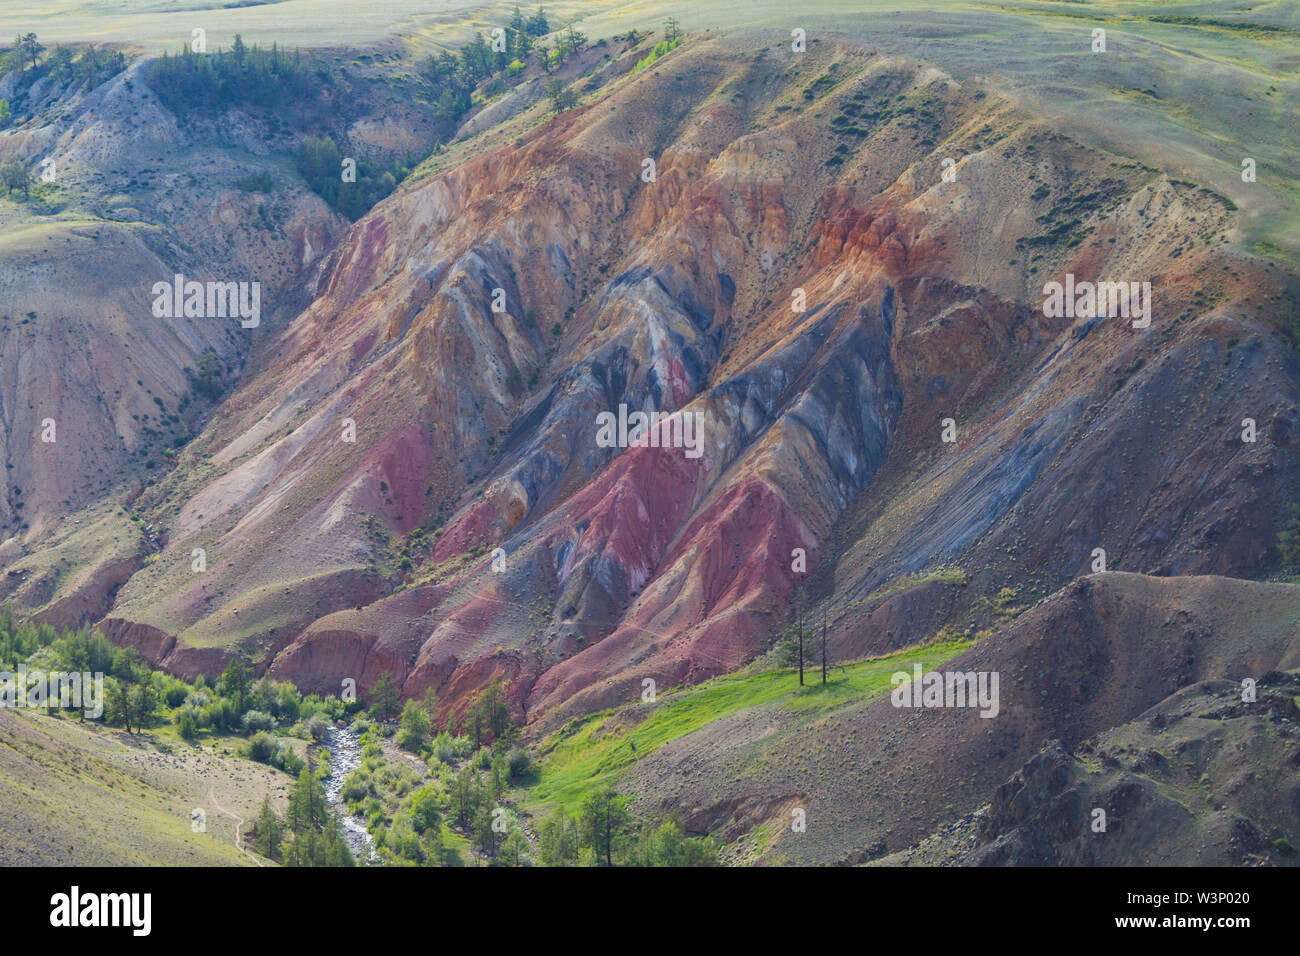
453,77
85,69
241,76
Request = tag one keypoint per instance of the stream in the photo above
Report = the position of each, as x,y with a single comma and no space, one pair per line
345,756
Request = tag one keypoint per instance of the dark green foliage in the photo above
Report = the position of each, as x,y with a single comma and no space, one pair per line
562,97
488,718
29,49
559,840
241,76
452,77
537,23
270,831
317,835
514,850
386,703
604,819
186,725
466,796
321,163
416,726
235,682
259,182
424,809
486,838
207,380
607,833
261,747
520,763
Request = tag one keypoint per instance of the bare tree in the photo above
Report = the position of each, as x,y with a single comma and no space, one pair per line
823,649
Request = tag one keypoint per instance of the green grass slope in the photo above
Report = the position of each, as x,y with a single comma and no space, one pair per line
592,753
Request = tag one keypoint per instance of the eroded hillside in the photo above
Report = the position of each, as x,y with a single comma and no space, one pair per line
828,262
777,177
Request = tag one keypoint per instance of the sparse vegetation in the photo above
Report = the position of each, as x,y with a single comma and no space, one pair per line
660,49
1288,539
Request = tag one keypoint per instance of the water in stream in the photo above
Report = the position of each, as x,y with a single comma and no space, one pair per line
345,756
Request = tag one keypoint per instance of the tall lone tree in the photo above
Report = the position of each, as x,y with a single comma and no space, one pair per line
823,650
387,700
29,48
604,818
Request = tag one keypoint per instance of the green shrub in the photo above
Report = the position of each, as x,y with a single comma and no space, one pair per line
186,725
520,763
257,720
261,747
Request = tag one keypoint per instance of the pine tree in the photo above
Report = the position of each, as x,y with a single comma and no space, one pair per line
474,723
269,831
143,701
604,819
435,850
119,701
318,835
386,698
307,804
336,848
29,48
415,726
235,681
514,849
558,840
465,796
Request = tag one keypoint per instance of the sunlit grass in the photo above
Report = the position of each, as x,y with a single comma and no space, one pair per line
589,754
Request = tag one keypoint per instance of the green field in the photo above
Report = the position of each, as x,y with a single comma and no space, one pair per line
591,753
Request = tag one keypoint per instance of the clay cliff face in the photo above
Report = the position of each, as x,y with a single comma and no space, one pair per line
411,478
